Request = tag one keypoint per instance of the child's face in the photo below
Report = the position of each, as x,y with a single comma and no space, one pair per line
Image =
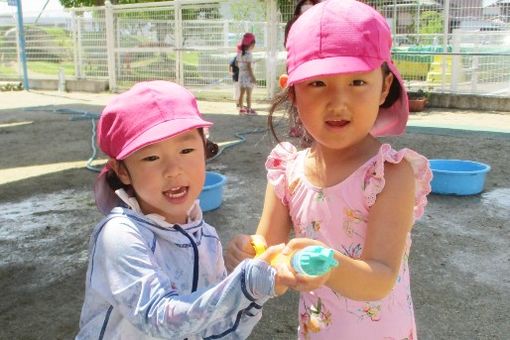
167,176
340,110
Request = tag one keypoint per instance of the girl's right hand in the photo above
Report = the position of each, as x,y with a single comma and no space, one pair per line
306,283
238,249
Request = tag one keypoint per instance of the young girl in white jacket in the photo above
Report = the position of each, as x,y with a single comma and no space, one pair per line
155,266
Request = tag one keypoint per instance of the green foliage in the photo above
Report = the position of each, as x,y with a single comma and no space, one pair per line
52,68
58,35
11,87
238,10
431,22
420,94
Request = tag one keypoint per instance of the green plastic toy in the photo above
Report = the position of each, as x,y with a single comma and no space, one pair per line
314,260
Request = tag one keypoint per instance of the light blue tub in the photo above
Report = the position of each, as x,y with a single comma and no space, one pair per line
212,192
458,177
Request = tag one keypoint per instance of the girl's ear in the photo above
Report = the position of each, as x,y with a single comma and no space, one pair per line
386,87
120,170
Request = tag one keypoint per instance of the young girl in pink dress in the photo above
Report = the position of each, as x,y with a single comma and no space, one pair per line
348,191
247,79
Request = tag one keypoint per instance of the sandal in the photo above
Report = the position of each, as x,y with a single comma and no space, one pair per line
251,112
243,111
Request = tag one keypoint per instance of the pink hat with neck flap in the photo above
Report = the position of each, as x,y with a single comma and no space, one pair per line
345,36
147,113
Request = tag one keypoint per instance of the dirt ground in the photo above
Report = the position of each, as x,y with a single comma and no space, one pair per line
460,261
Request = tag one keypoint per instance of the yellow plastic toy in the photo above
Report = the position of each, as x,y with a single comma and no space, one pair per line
311,260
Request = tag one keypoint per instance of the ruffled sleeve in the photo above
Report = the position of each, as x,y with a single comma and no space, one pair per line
277,165
374,176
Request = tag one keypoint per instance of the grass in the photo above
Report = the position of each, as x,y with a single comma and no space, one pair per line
7,71
50,68
190,58
60,36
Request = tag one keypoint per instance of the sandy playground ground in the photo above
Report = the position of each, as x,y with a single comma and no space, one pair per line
460,261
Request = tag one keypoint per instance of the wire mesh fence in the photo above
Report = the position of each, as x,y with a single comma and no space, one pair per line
448,46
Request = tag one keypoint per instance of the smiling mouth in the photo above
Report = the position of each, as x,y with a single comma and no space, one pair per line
176,192
337,123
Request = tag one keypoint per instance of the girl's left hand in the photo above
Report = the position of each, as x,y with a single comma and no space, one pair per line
306,283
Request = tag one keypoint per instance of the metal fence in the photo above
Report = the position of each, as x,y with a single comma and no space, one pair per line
447,46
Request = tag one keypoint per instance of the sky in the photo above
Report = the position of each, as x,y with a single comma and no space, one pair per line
33,7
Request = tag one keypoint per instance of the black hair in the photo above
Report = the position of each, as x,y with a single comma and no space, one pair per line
395,88
281,100
244,48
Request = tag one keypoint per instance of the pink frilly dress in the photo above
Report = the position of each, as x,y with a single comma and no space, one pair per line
337,216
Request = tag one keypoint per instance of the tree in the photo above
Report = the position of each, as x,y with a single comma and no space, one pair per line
86,3
242,8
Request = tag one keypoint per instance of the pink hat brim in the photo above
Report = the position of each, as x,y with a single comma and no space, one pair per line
161,131
105,197
331,66
390,121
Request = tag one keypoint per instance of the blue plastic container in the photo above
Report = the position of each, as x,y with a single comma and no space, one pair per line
212,192
458,177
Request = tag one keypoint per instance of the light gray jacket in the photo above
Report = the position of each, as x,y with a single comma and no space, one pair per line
149,279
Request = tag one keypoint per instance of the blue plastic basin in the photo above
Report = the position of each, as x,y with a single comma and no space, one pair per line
212,192
458,177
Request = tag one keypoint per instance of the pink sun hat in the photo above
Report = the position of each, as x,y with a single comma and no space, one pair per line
345,36
147,113
247,40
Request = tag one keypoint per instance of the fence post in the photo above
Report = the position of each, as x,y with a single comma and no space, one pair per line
77,45
394,18
22,50
18,54
456,67
179,68
446,23
110,45
272,50
474,74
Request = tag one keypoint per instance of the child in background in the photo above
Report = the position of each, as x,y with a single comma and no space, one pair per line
234,71
348,191
156,268
246,77
301,7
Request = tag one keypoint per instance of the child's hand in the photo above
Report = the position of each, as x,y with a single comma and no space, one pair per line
306,283
284,278
238,249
